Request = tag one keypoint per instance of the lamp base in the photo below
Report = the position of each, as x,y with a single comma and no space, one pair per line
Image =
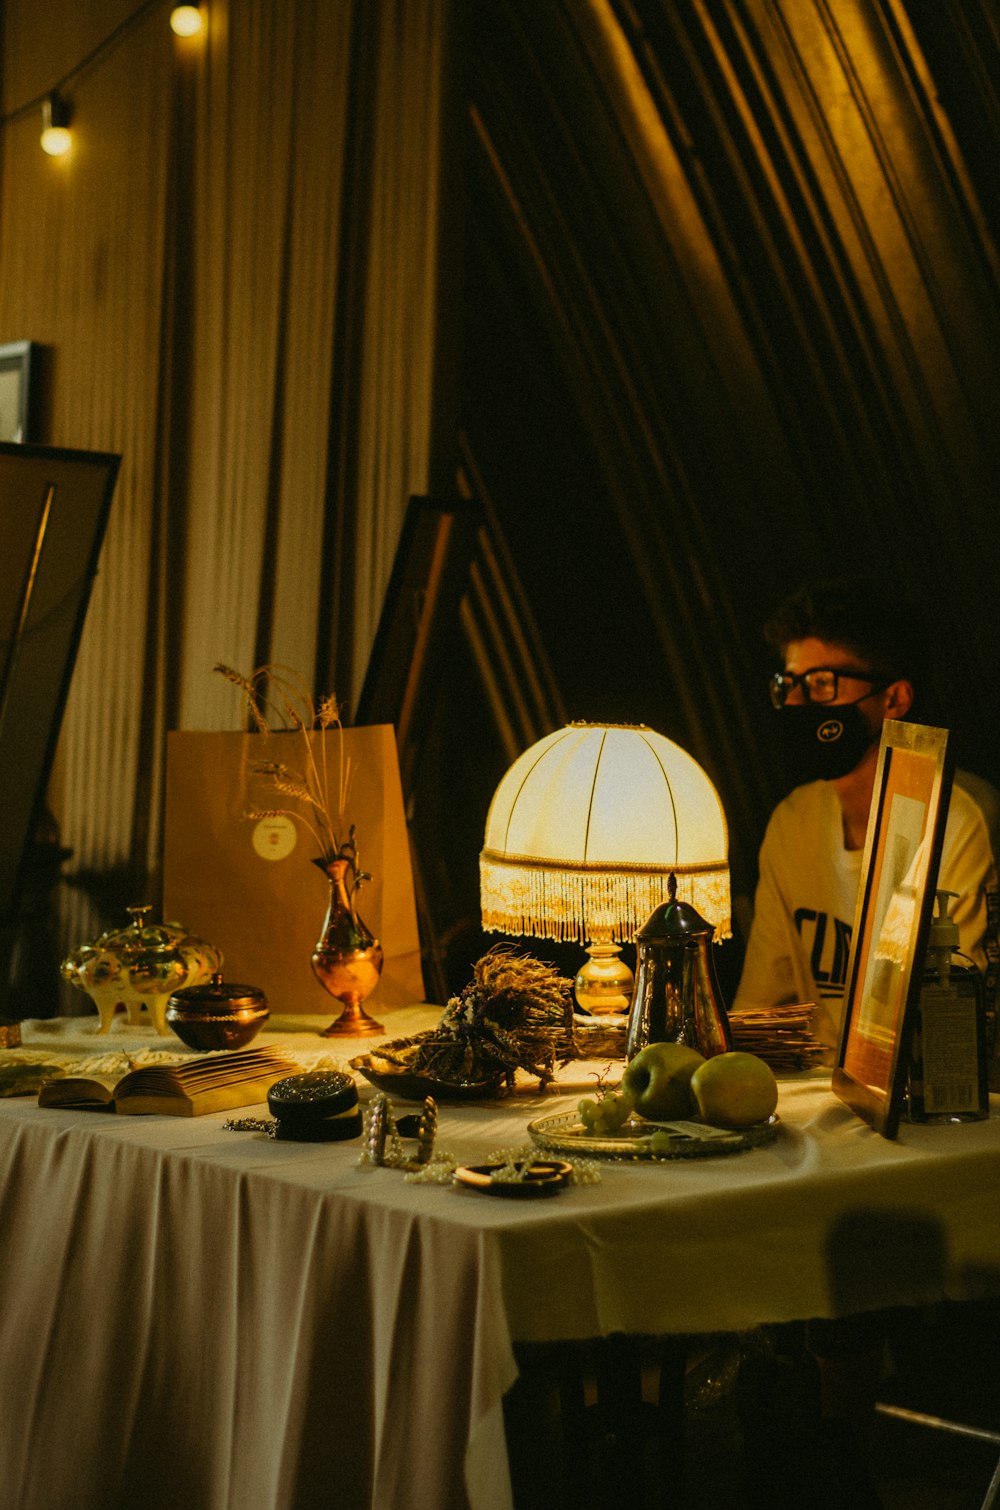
605,982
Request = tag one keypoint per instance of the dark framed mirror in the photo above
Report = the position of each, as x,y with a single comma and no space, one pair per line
54,507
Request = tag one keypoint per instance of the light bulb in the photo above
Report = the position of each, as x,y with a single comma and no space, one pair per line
186,20
56,139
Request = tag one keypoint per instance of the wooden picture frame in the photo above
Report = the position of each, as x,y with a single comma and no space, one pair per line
16,390
895,901
419,622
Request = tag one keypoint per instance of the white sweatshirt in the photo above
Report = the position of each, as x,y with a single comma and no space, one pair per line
806,897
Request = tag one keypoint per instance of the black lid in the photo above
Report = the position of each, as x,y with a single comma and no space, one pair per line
219,994
673,921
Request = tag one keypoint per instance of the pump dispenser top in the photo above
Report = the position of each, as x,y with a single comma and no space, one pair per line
944,930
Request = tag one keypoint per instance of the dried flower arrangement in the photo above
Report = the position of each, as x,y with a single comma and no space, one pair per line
516,1013
278,701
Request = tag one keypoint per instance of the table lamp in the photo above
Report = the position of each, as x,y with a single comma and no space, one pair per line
582,837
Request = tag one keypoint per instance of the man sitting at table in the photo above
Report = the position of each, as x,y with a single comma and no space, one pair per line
852,657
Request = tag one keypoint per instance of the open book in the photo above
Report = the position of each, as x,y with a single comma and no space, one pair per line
208,1083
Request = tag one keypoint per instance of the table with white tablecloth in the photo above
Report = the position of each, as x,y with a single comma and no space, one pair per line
218,1319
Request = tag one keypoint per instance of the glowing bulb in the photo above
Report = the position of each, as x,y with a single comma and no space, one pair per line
56,139
186,20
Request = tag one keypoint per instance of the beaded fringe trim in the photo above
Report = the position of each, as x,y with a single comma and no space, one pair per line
588,906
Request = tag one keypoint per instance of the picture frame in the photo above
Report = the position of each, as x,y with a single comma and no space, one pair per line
17,361
895,902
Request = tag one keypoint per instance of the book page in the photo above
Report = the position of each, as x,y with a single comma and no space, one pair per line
217,1082
86,1092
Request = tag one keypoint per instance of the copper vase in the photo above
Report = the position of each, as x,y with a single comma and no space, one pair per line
347,959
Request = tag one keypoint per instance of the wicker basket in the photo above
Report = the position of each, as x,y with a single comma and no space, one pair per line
600,1037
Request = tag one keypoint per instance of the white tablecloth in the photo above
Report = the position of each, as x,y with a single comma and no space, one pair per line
215,1319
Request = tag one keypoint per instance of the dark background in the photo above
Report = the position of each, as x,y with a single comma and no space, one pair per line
666,460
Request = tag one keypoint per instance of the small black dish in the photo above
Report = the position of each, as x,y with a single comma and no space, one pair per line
544,1177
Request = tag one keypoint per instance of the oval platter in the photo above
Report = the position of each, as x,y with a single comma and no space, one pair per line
411,1085
563,1132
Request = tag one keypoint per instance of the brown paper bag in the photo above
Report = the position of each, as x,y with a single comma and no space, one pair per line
250,887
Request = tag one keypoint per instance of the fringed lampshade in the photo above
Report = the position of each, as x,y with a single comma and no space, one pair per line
585,830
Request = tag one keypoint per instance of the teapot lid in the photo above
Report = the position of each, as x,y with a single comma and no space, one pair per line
140,933
673,921
142,936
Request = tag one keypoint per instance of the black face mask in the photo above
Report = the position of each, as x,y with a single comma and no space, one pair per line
822,741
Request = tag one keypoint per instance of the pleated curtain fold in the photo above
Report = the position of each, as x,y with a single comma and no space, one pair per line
234,276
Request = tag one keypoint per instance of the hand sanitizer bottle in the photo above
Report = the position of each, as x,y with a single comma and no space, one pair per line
947,1081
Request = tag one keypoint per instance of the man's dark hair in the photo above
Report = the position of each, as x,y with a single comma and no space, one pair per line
860,613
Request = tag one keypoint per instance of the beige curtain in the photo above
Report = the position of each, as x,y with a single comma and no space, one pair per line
234,272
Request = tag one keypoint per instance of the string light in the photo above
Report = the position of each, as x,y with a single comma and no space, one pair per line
186,20
56,138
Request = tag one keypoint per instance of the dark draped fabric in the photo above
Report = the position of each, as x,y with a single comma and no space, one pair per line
733,303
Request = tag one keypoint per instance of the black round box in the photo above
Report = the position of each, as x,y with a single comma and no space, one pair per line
320,1106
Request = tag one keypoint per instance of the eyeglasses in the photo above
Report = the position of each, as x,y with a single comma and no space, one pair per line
820,684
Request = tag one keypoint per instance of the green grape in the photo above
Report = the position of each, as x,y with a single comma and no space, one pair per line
589,1111
616,1111
601,1120
607,1114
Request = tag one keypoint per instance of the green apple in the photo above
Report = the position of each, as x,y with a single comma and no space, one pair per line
659,1080
734,1090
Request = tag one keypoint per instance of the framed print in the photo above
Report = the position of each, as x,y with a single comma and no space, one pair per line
895,901
16,359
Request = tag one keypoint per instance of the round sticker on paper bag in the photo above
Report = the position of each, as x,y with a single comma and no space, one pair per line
275,838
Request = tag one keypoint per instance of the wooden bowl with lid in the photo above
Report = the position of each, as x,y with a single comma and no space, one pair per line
217,1015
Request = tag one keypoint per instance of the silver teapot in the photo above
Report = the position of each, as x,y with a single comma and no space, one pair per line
676,997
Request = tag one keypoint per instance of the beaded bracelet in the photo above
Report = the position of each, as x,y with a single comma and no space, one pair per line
382,1143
